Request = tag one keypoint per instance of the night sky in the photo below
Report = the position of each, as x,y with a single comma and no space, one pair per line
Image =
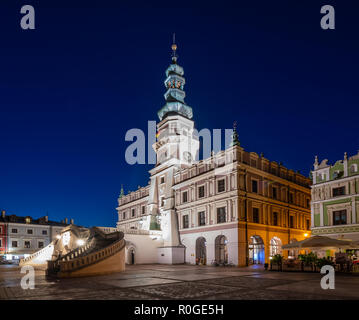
71,88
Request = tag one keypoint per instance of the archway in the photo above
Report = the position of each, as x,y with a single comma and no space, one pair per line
131,256
275,246
256,250
221,251
201,252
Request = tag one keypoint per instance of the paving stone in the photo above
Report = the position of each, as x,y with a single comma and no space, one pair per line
185,290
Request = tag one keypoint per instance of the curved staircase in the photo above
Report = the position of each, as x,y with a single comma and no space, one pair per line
102,254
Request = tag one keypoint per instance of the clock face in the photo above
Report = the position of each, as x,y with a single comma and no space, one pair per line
187,156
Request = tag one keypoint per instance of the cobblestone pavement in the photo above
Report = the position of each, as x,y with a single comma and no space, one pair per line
156,282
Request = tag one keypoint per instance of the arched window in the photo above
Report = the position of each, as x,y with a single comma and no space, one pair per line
354,168
221,251
256,250
201,256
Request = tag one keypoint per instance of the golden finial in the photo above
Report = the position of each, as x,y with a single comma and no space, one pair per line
174,48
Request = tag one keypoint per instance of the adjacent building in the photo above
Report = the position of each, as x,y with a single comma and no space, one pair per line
335,198
234,207
22,236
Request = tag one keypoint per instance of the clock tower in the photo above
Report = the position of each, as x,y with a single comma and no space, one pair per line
176,147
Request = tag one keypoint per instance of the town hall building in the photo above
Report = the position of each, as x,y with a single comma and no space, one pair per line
235,207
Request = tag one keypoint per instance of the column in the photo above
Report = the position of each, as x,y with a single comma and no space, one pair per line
354,217
321,211
312,216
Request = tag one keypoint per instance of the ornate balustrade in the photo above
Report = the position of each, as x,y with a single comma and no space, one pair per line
65,265
36,254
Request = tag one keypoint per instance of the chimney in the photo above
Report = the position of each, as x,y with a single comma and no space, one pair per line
72,221
3,213
66,221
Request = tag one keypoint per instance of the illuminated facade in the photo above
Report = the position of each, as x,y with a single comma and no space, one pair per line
335,198
233,207
23,236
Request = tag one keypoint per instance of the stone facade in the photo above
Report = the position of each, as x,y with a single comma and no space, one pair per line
234,207
335,198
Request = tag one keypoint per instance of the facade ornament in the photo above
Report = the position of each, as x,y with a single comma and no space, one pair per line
235,141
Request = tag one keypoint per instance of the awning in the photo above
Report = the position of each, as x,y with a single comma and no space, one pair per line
318,242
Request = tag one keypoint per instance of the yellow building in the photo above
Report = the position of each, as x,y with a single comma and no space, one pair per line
274,208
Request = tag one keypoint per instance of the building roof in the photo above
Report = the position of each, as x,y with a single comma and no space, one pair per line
40,221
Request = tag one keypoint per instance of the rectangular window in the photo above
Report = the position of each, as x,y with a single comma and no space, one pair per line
340,217
308,224
308,203
255,215
14,244
41,244
201,218
291,222
162,180
162,201
27,244
185,197
13,230
255,186
201,192
185,221
124,215
291,197
44,232
275,218
29,231
0,243
274,192
221,215
338,191
143,210
133,212
221,185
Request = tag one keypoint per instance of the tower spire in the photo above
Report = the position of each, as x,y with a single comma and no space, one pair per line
174,84
174,48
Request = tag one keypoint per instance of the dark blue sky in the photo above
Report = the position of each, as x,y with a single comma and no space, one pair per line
70,90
